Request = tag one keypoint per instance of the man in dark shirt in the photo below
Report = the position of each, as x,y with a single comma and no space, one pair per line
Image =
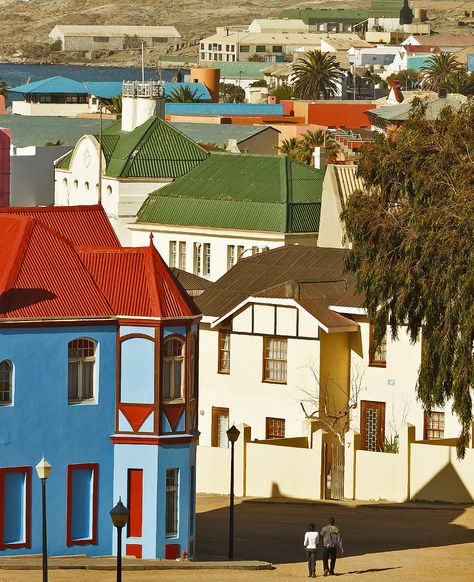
331,538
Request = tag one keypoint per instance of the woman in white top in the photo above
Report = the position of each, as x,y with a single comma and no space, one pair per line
311,538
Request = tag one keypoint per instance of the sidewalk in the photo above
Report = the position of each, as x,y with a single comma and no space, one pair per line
128,564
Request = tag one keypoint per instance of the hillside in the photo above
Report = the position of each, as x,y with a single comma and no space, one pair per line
24,25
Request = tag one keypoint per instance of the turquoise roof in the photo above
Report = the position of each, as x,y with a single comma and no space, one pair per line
240,70
104,89
223,109
52,85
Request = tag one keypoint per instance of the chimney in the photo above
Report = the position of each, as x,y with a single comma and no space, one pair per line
292,290
141,100
319,156
232,146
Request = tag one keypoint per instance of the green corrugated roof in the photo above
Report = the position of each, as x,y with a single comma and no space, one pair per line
243,191
240,70
155,149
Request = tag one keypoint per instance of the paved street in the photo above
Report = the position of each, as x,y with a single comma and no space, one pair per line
382,542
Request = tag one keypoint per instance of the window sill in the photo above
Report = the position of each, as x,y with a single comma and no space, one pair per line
85,402
174,401
281,382
377,364
6,404
223,372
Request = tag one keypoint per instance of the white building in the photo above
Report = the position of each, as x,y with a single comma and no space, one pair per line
380,55
284,337
104,38
228,207
134,160
239,46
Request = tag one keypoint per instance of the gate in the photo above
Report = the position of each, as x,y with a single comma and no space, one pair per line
337,471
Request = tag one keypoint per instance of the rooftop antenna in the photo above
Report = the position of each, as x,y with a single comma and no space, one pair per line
143,62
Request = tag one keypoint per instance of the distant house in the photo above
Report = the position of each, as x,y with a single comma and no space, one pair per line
271,46
28,147
61,96
445,43
228,207
105,38
251,139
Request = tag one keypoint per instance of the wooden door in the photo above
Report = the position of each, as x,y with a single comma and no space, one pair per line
372,425
220,424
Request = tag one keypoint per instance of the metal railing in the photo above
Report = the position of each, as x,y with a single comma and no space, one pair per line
147,89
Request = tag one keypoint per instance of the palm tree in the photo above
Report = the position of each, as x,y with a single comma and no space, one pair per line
316,75
184,95
291,147
114,104
256,58
312,139
438,69
3,88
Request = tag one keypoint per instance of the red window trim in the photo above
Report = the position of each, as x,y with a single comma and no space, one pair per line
95,486
27,472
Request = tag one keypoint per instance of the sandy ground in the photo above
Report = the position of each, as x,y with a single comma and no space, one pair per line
382,542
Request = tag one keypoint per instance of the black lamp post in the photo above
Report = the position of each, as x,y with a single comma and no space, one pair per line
43,469
119,515
232,434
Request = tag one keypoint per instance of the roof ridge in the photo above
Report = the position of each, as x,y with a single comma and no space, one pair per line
7,280
186,137
75,208
153,284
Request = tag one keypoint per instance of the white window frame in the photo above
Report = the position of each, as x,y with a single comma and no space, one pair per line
81,360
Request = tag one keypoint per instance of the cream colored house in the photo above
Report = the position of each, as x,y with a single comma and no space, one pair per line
284,337
271,46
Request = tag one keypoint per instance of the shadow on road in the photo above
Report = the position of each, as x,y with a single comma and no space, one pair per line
274,531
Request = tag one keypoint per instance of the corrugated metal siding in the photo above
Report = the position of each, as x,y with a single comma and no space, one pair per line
347,181
304,217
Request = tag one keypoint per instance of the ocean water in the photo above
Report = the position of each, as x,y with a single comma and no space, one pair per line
15,75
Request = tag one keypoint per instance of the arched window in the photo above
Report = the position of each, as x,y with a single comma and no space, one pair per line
6,377
109,190
76,184
81,366
86,185
173,369
192,367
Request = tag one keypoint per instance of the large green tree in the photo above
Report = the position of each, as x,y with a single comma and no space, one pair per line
412,233
438,70
316,75
3,87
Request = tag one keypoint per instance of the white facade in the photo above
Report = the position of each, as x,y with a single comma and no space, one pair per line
206,252
380,55
249,399
239,46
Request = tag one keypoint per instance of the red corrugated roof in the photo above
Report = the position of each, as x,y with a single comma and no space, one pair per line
42,276
81,225
137,282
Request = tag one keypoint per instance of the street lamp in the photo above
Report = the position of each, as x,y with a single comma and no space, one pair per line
232,434
119,515
43,469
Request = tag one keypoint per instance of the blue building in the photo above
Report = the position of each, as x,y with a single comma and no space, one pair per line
98,372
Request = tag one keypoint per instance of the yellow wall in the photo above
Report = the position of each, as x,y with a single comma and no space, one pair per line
334,370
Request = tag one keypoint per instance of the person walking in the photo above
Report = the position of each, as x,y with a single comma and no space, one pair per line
311,538
331,538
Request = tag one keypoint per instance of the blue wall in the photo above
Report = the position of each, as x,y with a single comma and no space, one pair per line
41,422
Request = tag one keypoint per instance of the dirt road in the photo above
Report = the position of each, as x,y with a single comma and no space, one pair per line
382,542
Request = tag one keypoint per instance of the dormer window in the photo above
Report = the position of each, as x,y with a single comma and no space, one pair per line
173,369
81,370
6,385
